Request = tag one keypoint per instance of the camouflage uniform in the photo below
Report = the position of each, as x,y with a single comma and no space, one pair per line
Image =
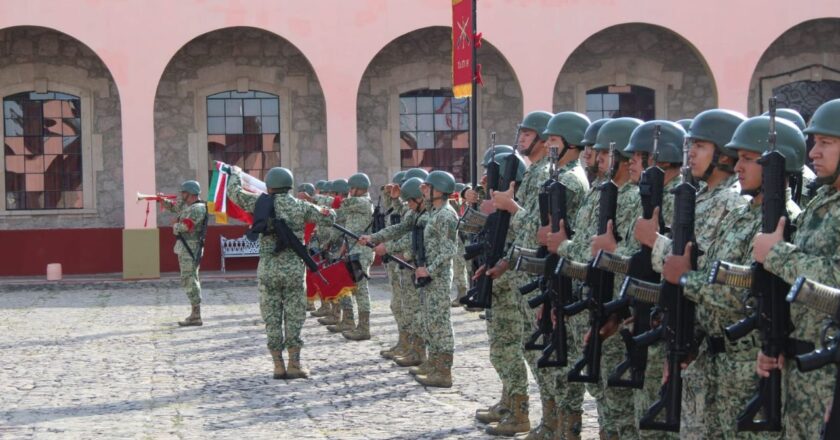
813,254
728,377
281,277
189,224
440,240
460,277
355,214
394,272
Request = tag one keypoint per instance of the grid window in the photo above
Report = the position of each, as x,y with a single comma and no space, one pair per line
434,132
637,103
43,151
243,129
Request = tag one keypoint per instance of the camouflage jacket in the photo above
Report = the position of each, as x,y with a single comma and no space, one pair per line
814,253
711,208
629,244
399,235
355,214
189,223
526,221
294,211
585,225
440,240
719,306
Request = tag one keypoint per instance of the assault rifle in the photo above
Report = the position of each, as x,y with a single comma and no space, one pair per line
354,236
418,247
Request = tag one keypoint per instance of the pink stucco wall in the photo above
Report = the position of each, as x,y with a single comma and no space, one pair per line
137,38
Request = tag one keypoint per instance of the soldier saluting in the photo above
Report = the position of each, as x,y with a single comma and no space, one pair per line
281,272
190,227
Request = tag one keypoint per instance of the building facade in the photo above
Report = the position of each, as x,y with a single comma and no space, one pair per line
102,100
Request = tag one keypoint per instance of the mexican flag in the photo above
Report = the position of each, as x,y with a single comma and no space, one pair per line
218,202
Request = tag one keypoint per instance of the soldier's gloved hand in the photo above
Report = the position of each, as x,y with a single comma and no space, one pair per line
470,196
380,249
604,242
764,364
677,265
555,239
647,230
764,242
421,272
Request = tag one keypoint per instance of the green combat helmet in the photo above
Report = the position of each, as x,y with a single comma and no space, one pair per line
399,177
790,115
279,178
319,185
441,181
191,187
716,126
591,132
671,138
359,181
571,126
328,187
492,152
752,135
416,172
410,189
340,186
460,187
536,121
307,188
685,123
826,122
616,131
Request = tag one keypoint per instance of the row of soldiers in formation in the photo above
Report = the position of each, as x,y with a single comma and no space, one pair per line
719,152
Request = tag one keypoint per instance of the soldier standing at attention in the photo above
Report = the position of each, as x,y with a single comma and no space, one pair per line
459,265
814,253
281,276
395,209
355,214
306,191
190,227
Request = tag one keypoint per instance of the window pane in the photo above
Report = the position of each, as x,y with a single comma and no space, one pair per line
252,107
251,124
15,200
460,105
593,115
215,125
14,145
270,142
34,182
52,126
15,182
73,199
234,142
443,122
72,109
33,145
425,105
593,102
71,127
15,164
425,139
215,107
254,161
13,127
72,145
34,200
12,109
51,164
270,124
220,95
252,142
461,140
408,106
72,163
233,125
272,159
52,200
264,95
52,109
611,101
425,122
270,107
408,140
442,104
52,182
443,139
248,94
233,107
408,122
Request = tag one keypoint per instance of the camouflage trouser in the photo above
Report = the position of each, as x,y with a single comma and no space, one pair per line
396,296
435,305
283,307
545,376
189,278
695,395
411,310
616,407
806,398
570,394
645,397
460,277
506,339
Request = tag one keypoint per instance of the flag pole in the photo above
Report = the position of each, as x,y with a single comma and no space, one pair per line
474,104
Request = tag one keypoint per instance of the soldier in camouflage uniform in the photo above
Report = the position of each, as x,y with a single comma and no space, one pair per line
669,160
306,191
396,239
460,277
395,210
804,187
727,368
564,133
718,195
814,254
509,320
281,277
190,227
570,394
341,318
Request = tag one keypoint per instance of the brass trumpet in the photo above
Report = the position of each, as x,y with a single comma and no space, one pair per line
155,197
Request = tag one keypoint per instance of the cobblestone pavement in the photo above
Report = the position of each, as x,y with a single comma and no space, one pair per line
113,364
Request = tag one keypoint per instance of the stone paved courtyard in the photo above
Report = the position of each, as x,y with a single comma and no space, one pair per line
94,363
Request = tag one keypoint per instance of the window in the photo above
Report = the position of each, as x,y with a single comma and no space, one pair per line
618,101
42,151
434,132
243,129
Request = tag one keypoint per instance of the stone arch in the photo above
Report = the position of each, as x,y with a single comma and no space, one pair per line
421,59
41,60
237,59
638,54
806,53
